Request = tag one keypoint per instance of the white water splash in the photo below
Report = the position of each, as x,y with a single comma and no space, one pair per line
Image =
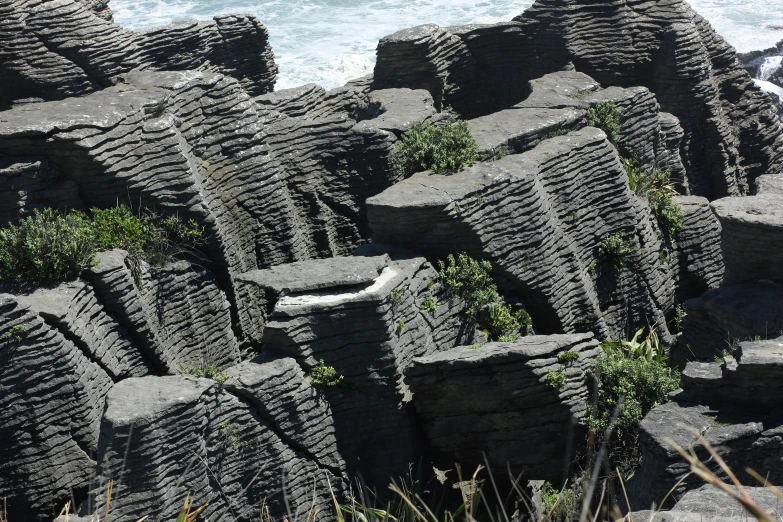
768,68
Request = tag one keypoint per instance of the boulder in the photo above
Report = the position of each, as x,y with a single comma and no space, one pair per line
495,399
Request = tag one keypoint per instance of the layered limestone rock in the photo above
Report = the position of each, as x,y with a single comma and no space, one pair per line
709,504
697,249
367,317
51,398
496,399
540,218
734,404
163,438
53,50
668,48
752,240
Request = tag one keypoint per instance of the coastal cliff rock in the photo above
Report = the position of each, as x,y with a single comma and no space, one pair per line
695,75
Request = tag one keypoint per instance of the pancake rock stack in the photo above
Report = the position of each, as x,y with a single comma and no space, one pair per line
321,253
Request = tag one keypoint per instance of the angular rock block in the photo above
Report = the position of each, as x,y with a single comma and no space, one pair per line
51,401
697,249
494,399
366,317
709,504
165,437
752,237
71,47
539,217
741,438
482,69
721,318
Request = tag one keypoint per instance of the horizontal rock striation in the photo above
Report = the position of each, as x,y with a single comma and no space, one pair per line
481,69
163,438
540,218
63,48
495,398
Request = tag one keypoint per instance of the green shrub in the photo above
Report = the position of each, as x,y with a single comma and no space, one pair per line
323,375
644,381
556,378
567,357
617,250
504,322
46,246
439,148
208,371
509,338
679,317
470,280
396,296
16,332
430,306
656,186
560,506
607,117
400,326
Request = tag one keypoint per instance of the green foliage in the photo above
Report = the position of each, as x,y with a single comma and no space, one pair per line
16,332
46,246
439,148
430,306
679,317
607,117
560,506
508,338
637,372
617,250
723,356
504,322
207,371
592,268
470,280
323,375
567,357
556,378
400,326
230,435
396,296
56,246
655,185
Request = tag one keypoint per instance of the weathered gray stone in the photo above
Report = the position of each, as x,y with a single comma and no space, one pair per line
709,504
697,249
752,237
494,399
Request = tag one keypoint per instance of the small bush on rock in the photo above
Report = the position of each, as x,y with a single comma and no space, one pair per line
323,375
207,371
617,250
656,186
470,280
439,148
504,322
560,506
607,117
638,373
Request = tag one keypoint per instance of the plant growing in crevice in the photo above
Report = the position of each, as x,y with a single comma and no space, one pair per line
16,333
679,316
468,279
439,148
430,306
617,250
655,185
323,375
207,371
229,433
556,378
400,327
607,117
568,357
507,323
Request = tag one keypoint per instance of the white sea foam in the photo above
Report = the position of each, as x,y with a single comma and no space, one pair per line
332,41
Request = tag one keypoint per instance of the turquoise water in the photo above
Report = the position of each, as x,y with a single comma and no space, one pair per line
331,41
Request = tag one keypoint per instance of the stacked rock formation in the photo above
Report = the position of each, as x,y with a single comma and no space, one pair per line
320,254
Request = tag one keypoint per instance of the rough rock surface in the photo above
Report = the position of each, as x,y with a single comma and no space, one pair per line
666,47
52,50
708,504
752,237
539,219
469,401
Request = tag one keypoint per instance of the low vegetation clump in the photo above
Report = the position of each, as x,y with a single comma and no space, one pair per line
207,371
556,378
560,506
634,372
469,279
51,245
430,306
323,375
439,148
16,333
655,185
618,250
607,117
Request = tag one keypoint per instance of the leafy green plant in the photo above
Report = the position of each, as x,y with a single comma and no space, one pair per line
560,506
556,378
430,306
400,326
505,322
323,375
617,250
47,246
230,434
396,296
508,338
607,117
636,372
679,317
17,332
567,357
470,280
207,371
439,148
655,185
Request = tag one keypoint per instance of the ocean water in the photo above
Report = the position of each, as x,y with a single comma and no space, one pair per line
332,41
